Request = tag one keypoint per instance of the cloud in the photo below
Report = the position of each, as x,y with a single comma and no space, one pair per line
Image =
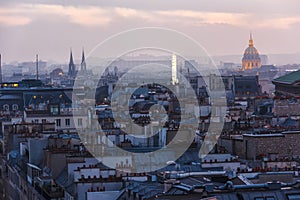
205,18
23,14
279,22
86,16
244,20
7,20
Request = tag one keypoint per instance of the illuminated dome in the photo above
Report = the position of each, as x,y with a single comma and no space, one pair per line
251,58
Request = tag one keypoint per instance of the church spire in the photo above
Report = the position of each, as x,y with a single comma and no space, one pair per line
251,40
83,63
71,58
72,70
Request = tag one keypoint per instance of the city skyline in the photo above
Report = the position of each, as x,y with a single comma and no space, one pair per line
132,99
223,28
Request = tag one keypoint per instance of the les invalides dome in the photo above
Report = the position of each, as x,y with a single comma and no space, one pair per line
251,58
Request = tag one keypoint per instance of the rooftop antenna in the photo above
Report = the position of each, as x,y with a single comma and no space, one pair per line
37,67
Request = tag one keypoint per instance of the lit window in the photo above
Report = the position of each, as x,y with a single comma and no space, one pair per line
15,85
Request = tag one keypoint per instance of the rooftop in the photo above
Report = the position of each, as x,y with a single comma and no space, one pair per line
289,78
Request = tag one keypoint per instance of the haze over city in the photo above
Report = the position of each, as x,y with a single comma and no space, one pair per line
222,27
149,100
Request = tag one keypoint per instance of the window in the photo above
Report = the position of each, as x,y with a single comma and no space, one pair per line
67,122
15,107
6,107
36,121
44,121
58,122
54,109
79,122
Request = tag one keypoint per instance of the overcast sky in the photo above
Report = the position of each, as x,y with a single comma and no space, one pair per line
50,28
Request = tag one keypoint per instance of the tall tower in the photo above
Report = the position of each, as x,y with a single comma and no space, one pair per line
116,71
37,66
174,70
251,58
83,63
72,70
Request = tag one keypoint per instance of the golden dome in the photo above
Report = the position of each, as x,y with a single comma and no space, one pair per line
251,58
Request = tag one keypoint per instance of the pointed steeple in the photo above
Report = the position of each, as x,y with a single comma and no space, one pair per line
251,40
72,70
71,57
83,63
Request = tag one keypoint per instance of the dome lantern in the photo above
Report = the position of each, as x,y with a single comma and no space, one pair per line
250,41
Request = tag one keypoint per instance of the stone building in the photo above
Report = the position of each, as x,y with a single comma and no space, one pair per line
288,85
257,146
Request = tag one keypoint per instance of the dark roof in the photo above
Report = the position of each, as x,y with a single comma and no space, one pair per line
289,123
141,91
101,93
246,84
289,78
9,97
44,96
